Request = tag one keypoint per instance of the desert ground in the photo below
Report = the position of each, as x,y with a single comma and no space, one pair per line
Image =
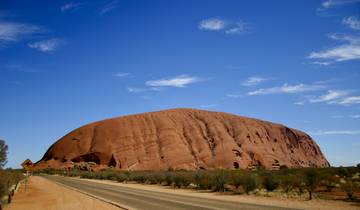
42,194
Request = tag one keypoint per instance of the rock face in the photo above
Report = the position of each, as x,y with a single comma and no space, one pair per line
184,139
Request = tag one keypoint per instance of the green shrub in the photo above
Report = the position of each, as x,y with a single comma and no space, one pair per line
219,180
249,182
311,179
270,182
202,180
138,177
168,178
8,178
181,179
236,180
350,187
287,183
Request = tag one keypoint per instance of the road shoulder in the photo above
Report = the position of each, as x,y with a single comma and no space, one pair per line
44,194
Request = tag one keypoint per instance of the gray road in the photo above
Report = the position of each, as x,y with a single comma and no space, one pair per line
150,200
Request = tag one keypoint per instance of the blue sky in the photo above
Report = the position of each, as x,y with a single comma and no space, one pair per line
64,64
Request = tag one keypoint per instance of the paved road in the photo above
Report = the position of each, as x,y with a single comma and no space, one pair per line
150,200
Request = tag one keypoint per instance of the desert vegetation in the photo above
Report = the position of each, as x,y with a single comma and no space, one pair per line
8,177
307,183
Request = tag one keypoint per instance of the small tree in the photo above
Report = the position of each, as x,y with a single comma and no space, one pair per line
270,182
202,179
168,178
3,153
311,179
287,183
249,182
219,181
350,187
236,179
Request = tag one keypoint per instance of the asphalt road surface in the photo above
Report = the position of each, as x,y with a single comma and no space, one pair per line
150,200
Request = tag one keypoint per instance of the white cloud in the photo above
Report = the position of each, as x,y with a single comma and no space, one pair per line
339,97
234,95
70,6
135,90
179,81
10,32
299,103
121,74
355,116
330,97
352,21
289,89
48,45
331,3
252,81
239,28
350,100
348,51
336,132
322,63
217,24
109,6
212,24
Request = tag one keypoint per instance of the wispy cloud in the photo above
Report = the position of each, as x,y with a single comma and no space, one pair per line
48,45
336,132
238,28
350,100
255,80
352,21
121,74
212,24
299,103
332,3
135,90
11,32
109,6
339,97
228,27
330,97
70,6
355,116
288,89
344,52
179,81
234,95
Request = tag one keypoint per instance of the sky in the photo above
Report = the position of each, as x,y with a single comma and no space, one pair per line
64,64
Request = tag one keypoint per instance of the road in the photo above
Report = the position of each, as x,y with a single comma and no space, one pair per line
149,200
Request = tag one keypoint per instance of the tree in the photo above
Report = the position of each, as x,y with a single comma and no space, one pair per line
249,182
219,181
270,182
3,153
350,187
311,181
